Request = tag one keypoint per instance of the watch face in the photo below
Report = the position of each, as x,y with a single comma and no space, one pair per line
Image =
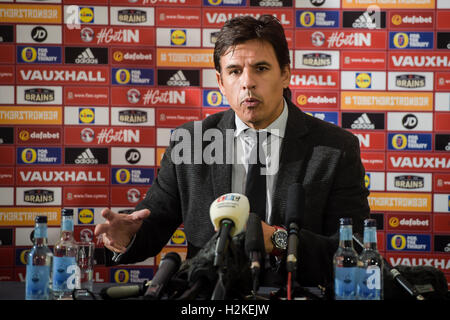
280,239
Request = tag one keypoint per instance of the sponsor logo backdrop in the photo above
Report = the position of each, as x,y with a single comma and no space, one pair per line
91,92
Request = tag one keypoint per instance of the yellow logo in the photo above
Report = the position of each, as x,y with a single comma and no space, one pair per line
123,76
123,176
29,54
118,56
398,242
86,15
24,256
396,19
367,180
215,2
121,276
302,99
86,216
307,19
86,115
214,98
401,40
399,141
394,222
178,37
178,237
24,135
29,155
363,80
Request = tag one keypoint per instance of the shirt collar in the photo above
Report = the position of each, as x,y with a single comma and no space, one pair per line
279,124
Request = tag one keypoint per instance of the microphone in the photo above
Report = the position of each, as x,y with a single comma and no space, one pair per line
168,266
398,277
294,215
254,247
229,214
123,292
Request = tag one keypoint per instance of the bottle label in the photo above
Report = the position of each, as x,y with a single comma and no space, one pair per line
346,233
67,225
63,269
345,283
370,235
369,284
37,282
40,231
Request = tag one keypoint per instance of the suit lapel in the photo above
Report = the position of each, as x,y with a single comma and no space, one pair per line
221,173
292,162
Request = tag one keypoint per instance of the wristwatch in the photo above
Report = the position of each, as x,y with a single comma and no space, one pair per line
279,241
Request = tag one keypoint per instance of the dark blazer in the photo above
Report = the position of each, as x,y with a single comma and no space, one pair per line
320,155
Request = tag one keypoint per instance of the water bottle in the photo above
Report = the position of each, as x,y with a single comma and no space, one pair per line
39,263
370,262
64,261
345,263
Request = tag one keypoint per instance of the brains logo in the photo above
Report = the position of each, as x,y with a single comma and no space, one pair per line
123,76
29,54
363,80
121,276
123,176
86,15
399,141
401,40
29,155
86,115
86,216
178,37
307,19
214,98
394,222
398,242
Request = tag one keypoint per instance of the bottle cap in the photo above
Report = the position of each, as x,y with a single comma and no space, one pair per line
41,219
67,212
371,223
345,221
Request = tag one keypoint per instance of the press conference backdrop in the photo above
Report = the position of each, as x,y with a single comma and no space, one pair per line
90,91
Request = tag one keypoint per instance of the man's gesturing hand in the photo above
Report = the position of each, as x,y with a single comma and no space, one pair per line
119,228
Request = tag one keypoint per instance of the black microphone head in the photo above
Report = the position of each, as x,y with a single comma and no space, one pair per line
295,207
175,257
254,239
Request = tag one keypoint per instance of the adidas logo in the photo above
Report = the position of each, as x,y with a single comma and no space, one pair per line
86,57
366,21
178,79
363,122
86,157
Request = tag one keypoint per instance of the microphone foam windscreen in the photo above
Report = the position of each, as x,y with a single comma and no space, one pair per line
233,206
295,205
254,239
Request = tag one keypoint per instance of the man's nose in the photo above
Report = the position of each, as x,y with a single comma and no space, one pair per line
248,80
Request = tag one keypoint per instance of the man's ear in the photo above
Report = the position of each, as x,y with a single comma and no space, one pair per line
286,76
219,81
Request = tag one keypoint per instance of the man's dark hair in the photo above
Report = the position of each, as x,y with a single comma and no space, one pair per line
244,28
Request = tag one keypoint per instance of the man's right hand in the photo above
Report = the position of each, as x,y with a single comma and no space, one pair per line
119,228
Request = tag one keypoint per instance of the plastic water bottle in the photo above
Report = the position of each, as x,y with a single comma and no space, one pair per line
370,282
39,263
345,263
64,261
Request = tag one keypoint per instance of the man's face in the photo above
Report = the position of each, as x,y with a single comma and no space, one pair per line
253,83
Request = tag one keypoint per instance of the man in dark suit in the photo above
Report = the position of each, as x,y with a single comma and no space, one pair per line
253,72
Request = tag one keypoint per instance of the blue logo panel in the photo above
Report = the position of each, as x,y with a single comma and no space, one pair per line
214,98
26,155
409,141
331,117
132,176
411,40
409,242
316,19
32,54
127,76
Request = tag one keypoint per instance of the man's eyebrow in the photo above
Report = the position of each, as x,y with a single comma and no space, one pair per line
256,64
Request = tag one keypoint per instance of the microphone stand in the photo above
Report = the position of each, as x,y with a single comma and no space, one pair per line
223,241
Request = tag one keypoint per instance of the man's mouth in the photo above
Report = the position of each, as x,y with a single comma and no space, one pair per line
250,102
